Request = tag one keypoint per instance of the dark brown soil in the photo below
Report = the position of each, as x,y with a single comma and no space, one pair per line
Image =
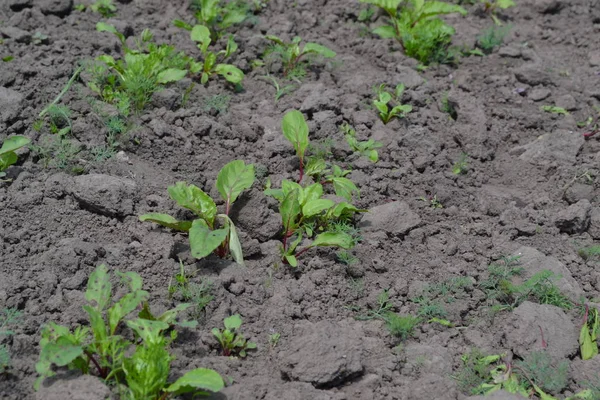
521,194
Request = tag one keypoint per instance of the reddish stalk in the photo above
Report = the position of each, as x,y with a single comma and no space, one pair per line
91,358
301,170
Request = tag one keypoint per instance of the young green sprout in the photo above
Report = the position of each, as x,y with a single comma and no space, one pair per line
231,339
384,98
293,57
210,67
8,155
204,235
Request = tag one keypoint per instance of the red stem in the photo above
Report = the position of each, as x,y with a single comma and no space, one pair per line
101,370
544,344
301,170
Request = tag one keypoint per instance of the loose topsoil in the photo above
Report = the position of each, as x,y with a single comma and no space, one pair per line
525,192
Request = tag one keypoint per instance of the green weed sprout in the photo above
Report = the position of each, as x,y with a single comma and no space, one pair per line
293,57
216,17
554,110
106,8
209,66
366,148
231,340
133,79
8,316
461,166
417,26
491,7
8,155
588,336
100,349
204,235
491,38
384,98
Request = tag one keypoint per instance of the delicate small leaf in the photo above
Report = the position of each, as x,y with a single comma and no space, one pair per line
182,24
291,260
318,49
542,394
330,239
504,4
289,209
275,39
230,73
295,130
124,306
104,27
197,379
99,288
167,221
233,179
170,315
204,241
587,347
171,75
97,323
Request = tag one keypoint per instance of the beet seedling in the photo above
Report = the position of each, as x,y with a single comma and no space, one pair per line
99,349
205,236
384,98
231,340
140,73
364,148
417,26
8,155
216,17
209,66
293,57
106,8
295,130
491,7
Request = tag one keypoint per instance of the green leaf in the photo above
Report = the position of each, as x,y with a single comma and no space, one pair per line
555,110
124,306
60,353
97,323
230,73
6,160
291,260
587,347
318,49
149,331
204,241
385,32
542,394
275,39
197,379
330,239
104,27
13,143
373,156
435,8
295,130
309,193
315,207
170,315
171,75
167,221
345,188
388,5
99,288
201,34
194,199
235,247
233,322
289,209
233,179
504,4
182,24
146,372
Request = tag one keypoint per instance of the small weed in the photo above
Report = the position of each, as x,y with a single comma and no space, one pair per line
474,372
591,252
433,297
383,307
39,38
38,125
366,14
218,102
432,200
448,107
554,110
217,15
274,339
401,326
55,152
491,7
384,98
346,257
106,8
8,156
231,340
461,166
280,89
357,285
8,317
539,368
60,119
366,148
492,37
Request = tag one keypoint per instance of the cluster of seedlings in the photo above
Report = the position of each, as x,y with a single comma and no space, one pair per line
128,346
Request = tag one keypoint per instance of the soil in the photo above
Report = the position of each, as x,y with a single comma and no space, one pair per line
524,192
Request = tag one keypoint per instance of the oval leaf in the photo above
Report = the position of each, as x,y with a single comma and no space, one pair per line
167,221
194,199
229,72
171,75
149,331
295,130
345,188
197,379
13,143
203,241
329,239
201,34
318,49
99,288
317,206
233,179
